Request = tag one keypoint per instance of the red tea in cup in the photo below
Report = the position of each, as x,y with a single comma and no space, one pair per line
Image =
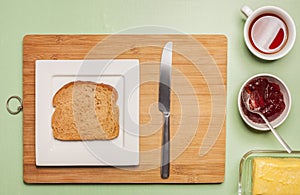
268,33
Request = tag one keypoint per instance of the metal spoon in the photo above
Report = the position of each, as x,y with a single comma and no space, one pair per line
250,105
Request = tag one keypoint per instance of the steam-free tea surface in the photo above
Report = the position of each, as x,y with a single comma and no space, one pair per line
268,33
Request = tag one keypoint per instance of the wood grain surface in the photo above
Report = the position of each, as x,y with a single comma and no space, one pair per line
198,106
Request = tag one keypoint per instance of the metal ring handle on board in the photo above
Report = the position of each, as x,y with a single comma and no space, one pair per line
19,108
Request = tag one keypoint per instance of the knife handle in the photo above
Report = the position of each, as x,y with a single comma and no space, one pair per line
165,168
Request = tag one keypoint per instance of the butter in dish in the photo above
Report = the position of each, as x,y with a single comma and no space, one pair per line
267,172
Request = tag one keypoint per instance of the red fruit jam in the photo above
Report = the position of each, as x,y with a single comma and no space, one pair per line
267,96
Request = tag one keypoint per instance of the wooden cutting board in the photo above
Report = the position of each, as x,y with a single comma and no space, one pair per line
198,106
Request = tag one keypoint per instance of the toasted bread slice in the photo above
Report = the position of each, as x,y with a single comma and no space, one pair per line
85,110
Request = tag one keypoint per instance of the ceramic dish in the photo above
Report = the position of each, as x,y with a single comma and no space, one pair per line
123,75
246,163
286,96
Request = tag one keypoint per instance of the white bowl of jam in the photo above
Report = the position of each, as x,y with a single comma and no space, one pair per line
274,99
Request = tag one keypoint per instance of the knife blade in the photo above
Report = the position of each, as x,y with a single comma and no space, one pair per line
164,106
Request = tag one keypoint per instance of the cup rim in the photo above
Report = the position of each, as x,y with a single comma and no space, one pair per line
288,107
291,32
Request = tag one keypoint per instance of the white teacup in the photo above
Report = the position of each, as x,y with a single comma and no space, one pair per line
269,32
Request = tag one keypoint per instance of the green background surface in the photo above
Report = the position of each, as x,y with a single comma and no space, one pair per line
18,18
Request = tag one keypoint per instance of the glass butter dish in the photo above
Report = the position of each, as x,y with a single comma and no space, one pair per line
246,166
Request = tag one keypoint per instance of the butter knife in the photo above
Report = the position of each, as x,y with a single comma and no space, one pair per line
164,106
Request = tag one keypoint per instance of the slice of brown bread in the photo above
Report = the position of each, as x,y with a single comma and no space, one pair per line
85,110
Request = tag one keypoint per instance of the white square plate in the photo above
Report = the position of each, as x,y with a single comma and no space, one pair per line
123,75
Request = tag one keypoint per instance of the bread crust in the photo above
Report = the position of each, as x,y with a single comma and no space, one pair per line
82,82
85,110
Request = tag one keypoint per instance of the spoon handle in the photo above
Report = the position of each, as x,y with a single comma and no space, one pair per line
278,137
